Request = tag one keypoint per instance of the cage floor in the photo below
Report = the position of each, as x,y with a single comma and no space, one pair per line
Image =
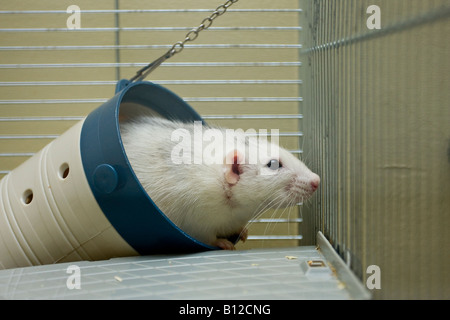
252,274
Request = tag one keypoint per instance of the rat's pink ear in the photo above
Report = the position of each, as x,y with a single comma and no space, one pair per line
233,168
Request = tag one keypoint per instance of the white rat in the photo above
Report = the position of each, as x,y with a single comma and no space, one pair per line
212,191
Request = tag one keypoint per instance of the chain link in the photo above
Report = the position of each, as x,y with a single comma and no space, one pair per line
179,46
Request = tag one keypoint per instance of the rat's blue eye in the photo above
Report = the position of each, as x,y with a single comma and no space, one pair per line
274,164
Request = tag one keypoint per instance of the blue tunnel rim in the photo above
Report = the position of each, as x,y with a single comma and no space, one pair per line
115,186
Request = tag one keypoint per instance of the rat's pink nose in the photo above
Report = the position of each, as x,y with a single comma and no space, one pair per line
315,183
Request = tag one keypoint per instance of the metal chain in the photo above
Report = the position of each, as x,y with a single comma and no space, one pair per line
179,46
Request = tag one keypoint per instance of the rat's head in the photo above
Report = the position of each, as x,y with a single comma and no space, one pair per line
276,180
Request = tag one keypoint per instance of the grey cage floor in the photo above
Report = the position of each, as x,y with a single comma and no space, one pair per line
254,274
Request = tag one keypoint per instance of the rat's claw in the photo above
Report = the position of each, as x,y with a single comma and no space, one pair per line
243,235
224,244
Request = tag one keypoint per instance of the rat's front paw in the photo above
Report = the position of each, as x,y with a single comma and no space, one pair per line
224,244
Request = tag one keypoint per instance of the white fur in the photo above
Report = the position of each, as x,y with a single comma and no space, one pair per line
197,197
